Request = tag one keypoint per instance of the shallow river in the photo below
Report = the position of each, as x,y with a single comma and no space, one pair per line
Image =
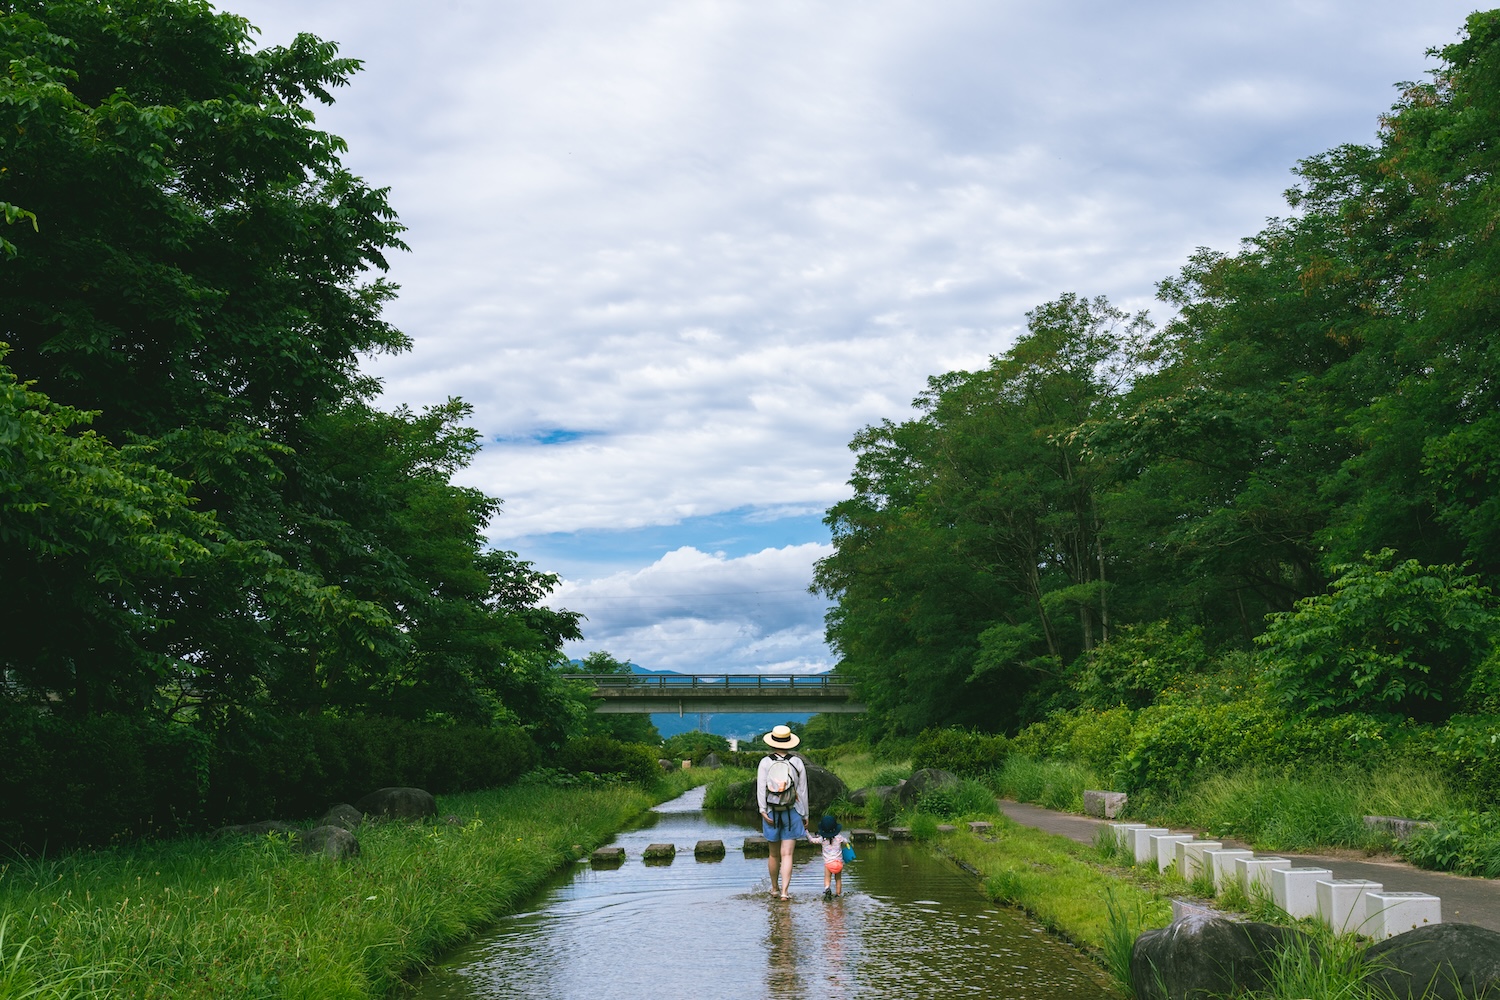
909,925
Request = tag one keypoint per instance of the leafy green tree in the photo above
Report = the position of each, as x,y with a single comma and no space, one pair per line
1388,637
972,563
628,728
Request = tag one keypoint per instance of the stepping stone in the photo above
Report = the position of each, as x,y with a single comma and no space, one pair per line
607,856
708,849
660,853
756,846
980,826
947,828
900,833
862,836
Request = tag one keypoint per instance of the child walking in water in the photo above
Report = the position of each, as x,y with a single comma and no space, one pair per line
832,841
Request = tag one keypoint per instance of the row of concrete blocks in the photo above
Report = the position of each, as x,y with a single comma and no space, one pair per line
1345,904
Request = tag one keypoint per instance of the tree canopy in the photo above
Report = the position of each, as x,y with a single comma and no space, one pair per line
1314,435
202,512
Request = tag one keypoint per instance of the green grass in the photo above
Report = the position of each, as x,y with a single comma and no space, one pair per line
1278,812
860,770
251,918
1051,783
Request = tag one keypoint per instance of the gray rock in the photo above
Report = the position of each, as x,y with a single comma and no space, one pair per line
667,766
343,815
1199,957
923,781
712,761
1104,805
1452,960
259,829
862,796
333,842
398,803
1399,827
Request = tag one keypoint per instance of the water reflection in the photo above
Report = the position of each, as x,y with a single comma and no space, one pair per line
908,925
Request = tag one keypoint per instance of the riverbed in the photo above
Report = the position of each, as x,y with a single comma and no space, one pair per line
909,924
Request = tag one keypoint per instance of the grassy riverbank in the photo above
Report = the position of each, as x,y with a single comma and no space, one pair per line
250,918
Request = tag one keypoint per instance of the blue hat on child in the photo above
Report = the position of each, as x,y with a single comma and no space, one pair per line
828,826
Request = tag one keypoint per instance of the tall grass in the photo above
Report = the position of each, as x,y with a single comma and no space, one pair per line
1284,812
252,918
1052,783
860,770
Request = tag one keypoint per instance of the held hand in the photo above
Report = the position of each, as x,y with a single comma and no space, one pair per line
766,818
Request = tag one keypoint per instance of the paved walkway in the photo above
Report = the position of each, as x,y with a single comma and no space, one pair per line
1465,900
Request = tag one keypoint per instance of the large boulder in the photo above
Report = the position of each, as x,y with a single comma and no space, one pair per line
343,815
333,842
712,761
1199,957
1452,961
923,781
398,803
259,829
862,796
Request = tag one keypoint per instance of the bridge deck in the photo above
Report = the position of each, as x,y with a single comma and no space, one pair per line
721,693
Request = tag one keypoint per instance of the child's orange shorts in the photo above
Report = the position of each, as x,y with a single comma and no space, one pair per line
834,867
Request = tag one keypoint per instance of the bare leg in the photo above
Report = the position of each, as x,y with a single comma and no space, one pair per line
773,857
787,846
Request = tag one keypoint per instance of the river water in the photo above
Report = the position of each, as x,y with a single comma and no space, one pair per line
909,925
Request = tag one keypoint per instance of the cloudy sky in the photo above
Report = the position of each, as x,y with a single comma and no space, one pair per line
677,253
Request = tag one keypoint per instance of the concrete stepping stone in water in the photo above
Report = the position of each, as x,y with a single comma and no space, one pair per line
661,854
607,856
708,850
862,836
756,846
900,833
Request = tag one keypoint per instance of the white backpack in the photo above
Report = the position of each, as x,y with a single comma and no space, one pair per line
781,783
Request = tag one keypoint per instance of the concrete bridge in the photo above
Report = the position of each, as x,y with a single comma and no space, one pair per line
619,694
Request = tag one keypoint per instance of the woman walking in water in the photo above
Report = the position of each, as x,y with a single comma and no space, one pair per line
781,792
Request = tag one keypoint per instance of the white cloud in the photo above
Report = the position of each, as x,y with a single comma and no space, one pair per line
718,238
703,612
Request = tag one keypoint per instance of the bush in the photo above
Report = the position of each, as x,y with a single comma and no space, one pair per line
88,782
605,755
693,746
959,751
962,799
1051,783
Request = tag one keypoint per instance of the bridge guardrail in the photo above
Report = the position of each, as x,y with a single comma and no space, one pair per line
683,682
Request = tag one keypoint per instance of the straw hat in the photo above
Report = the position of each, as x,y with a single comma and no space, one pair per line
782,738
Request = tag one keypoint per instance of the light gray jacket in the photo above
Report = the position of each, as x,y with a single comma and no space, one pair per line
760,785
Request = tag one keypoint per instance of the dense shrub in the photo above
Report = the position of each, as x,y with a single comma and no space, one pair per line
959,751
960,799
693,746
73,783
1466,750
606,755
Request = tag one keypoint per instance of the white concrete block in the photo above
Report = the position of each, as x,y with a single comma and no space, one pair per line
1392,913
1341,903
1256,871
1122,832
1295,890
1140,842
1222,862
1190,856
1164,848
